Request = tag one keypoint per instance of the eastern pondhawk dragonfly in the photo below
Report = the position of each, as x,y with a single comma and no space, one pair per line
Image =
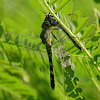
49,22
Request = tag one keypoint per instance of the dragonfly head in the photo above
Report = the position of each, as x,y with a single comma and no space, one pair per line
49,21
52,20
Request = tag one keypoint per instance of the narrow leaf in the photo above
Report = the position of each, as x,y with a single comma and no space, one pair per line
96,52
11,83
82,24
88,32
52,2
8,36
61,5
17,39
93,40
89,44
1,31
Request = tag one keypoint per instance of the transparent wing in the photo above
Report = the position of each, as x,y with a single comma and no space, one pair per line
30,41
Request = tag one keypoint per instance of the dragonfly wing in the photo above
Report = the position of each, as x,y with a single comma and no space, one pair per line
69,37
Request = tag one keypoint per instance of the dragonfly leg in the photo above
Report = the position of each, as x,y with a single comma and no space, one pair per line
54,36
57,39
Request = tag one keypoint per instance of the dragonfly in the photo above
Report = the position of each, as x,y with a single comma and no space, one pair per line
49,22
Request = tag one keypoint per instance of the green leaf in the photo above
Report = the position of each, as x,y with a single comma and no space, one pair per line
14,85
52,2
89,44
18,72
61,5
1,31
88,32
8,36
95,52
93,40
17,40
82,24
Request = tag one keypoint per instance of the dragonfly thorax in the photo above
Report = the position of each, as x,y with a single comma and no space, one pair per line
46,25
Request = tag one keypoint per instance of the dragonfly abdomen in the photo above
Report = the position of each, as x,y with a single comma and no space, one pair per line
49,51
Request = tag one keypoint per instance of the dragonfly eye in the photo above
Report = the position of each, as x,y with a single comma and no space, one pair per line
54,22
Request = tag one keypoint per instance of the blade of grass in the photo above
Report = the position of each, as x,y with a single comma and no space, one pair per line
90,71
93,40
95,52
1,31
82,24
61,5
88,32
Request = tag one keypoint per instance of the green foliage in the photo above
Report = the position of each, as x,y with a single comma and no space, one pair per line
1,31
61,5
82,24
24,66
88,31
71,82
97,1
11,86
